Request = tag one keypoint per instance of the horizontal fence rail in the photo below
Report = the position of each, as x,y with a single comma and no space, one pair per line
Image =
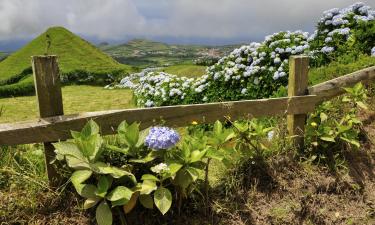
332,88
58,128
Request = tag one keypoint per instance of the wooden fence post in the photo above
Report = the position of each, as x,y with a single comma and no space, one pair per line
48,91
297,86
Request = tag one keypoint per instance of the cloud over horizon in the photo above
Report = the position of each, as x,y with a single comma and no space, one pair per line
186,19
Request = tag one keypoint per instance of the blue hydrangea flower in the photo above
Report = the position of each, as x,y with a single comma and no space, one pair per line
161,138
373,52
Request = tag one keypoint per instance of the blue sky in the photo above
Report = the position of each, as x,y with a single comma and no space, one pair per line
173,21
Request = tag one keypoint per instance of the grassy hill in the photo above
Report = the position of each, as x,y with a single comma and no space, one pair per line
79,61
147,53
3,55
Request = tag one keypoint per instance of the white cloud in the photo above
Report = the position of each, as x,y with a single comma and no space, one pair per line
115,19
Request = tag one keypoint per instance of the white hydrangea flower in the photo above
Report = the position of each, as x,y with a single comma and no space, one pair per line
160,168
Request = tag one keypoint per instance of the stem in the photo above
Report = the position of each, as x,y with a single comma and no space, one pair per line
207,185
122,216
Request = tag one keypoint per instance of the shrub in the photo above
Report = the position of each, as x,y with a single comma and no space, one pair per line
343,31
331,130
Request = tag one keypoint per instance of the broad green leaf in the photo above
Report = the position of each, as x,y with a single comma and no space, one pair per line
69,149
183,179
90,146
142,136
194,173
149,177
88,191
174,168
214,154
197,155
148,186
115,172
90,129
351,141
163,199
124,151
120,193
90,202
78,177
104,184
104,214
147,201
129,133
76,163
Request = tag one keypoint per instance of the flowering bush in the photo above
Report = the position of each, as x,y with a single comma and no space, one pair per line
260,70
253,71
341,31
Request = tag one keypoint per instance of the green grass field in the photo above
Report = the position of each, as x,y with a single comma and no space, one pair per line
76,99
187,70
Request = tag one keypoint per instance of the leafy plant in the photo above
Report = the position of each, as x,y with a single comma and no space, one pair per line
329,131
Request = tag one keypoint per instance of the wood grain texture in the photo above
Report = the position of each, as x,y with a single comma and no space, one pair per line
58,128
297,86
48,91
334,87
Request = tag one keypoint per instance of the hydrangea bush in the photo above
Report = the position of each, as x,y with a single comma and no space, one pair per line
253,71
340,31
260,70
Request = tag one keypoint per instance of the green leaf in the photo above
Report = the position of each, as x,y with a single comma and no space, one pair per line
197,155
218,128
121,195
90,146
129,133
142,136
78,177
69,149
88,191
194,173
163,199
174,168
214,154
351,141
329,139
90,202
148,186
77,164
104,214
147,201
90,129
362,105
104,184
183,179
115,172
149,177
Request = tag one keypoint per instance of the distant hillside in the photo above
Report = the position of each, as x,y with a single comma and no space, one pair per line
79,61
3,55
146,53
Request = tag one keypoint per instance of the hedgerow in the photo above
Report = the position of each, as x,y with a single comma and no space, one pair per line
260,70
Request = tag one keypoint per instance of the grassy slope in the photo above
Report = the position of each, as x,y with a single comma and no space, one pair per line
76,99
74,54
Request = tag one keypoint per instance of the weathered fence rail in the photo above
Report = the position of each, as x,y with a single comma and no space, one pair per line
54,126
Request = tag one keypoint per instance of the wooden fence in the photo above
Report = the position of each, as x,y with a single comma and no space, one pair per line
54,126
